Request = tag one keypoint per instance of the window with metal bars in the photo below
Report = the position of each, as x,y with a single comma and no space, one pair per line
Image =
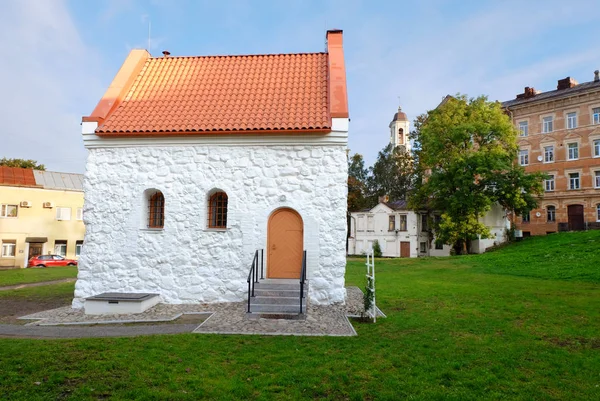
156,210
217,210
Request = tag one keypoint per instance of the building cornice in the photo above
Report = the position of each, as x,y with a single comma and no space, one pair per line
337,136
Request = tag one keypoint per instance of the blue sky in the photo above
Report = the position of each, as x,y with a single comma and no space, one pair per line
58,57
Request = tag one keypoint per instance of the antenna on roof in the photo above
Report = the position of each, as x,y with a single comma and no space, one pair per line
149,30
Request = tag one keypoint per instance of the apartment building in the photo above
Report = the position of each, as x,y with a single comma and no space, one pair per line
560,136
41,212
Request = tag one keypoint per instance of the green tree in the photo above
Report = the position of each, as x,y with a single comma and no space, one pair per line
22,163
466,163
392,174
357,189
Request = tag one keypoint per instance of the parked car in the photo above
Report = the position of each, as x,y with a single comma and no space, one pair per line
50,261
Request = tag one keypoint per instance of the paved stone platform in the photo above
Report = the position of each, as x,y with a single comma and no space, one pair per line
223,318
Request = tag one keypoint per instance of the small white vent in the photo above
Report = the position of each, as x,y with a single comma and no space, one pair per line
25,204
48,205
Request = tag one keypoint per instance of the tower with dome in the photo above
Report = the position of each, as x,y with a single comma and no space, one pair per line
399,130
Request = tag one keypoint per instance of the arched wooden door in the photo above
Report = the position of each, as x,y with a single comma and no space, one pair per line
285,243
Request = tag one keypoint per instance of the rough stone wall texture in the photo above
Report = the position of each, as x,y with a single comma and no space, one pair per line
186,262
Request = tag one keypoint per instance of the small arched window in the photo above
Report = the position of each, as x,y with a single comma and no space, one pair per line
401,136
551,213
156,210
217,210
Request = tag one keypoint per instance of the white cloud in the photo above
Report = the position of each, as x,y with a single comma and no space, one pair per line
426,56
47,75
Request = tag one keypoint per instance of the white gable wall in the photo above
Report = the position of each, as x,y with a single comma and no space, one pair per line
186,262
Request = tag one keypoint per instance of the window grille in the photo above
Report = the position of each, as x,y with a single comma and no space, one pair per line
217,210
156,210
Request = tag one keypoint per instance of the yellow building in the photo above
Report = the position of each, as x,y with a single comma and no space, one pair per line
41,212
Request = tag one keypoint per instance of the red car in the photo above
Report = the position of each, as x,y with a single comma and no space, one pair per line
50,261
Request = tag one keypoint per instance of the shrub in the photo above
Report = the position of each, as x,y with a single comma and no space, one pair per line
376,249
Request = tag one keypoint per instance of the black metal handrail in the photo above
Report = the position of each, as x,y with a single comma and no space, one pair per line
253,274
302,278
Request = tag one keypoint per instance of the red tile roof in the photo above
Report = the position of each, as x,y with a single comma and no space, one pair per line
17,176
235,94
226,93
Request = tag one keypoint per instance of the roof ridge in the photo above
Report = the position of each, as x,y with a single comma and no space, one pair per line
239,55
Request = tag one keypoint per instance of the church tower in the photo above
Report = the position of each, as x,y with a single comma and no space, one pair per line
399,130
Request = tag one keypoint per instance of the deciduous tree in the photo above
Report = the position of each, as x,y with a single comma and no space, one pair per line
466,151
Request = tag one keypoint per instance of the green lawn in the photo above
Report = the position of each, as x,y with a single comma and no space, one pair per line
463,328
22,276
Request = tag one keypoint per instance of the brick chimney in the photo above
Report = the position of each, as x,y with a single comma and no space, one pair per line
527,93
566,83
338,93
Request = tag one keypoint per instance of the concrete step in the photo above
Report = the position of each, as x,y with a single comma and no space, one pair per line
264,285
259,292
276,309
257,300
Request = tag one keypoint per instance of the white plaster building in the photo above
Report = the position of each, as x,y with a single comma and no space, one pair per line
401,232
196,162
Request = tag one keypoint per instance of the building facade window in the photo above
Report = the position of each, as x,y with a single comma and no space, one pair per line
547,124
60,248
574,181
361,223
596,179
403,222
523,128
549,183
548,154
8,210
598,212
573,151
596,115
63,213
571,120
423,247
78,247
392,223
597,148
524,157
9,248
551,214
370,224
156,210
439,245
525,218
79,215
217,210
424,222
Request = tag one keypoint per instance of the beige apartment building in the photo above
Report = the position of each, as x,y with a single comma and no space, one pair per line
41,212
560,136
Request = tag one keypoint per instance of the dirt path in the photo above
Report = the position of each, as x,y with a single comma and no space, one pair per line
41,283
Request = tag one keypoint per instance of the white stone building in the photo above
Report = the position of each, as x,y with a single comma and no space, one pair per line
196,162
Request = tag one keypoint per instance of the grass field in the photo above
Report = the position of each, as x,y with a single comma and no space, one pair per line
511,324
23,276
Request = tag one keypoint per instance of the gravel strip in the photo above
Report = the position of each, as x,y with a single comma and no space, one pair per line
225,318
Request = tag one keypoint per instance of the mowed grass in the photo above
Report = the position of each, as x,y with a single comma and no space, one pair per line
463,328
36,275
